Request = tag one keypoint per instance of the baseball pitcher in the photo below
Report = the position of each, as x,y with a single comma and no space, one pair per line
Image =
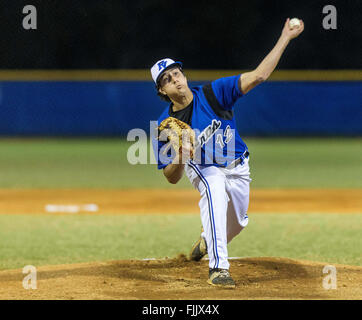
197,136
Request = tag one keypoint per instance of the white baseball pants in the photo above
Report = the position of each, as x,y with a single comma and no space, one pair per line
223,206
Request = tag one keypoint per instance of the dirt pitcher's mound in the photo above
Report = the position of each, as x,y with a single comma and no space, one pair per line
256,278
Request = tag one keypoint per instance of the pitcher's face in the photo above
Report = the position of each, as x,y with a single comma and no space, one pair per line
173,83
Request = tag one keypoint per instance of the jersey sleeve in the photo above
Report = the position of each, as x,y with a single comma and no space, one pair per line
227,91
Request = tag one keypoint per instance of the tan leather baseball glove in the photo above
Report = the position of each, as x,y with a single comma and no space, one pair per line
178,133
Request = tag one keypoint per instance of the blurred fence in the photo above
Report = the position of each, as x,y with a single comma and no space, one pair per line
113,107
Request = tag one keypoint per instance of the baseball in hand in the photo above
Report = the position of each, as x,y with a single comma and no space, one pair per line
294,23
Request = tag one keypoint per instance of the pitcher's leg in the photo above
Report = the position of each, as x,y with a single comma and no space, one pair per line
238,189
213,206
235,222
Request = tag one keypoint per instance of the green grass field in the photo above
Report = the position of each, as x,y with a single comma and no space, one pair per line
43,240
97,163
102,163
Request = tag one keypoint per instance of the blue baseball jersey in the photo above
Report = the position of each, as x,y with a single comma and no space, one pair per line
210,114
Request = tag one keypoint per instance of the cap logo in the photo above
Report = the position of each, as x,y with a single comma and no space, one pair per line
162,65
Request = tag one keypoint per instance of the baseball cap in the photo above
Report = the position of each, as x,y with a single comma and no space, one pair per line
161,65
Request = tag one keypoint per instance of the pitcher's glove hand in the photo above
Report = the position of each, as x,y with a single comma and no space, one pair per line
180,136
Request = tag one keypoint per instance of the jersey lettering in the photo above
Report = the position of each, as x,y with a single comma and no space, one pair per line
228,134
220,141
208,132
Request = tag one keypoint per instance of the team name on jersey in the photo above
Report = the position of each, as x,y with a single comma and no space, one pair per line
208,132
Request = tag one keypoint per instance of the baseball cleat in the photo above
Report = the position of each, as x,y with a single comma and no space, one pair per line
220,278
199,250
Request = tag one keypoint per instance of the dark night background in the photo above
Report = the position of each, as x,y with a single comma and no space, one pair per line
114,34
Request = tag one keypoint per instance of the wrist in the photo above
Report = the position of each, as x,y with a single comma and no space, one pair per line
177,161
284,39
283,42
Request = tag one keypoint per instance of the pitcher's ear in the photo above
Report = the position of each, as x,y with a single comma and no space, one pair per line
161,91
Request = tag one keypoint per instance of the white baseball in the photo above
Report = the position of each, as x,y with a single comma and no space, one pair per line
294,23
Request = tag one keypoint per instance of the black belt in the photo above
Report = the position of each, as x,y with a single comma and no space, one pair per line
238,160
242,158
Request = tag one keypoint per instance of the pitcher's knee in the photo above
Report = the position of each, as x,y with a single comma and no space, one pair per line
243,221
